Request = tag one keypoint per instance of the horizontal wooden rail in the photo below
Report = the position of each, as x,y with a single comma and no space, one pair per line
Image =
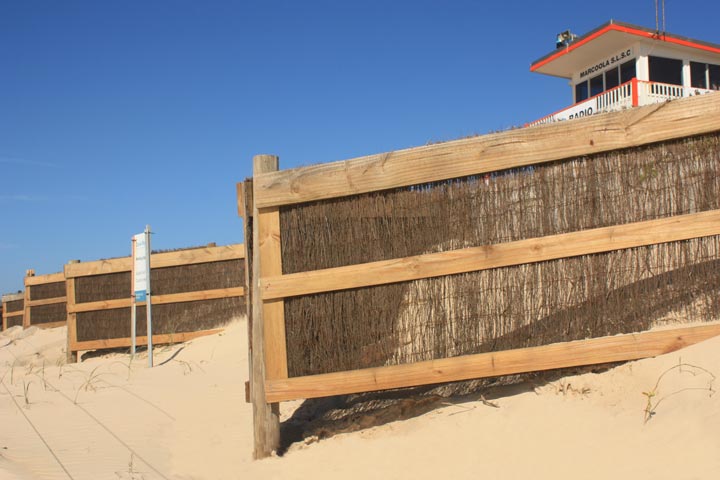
158,299
100,305
45,301
14,314
11,297
43,279
681,227
510,362
158,260
49,324
199,295
157,339
488,153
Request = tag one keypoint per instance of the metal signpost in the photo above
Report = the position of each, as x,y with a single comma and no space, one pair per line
141,287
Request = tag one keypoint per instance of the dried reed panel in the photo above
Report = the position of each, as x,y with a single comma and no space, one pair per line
15,306
110,286
167,319
200,276
14,321
513,307
616,188
179,279
56,312
44,291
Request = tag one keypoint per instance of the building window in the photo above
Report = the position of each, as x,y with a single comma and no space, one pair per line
627,71
698,75
705,75
665,70
596,85
612,78
714,77
605,81
581,91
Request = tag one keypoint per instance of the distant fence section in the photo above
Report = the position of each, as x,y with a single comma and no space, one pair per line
546,247
45,300
13,309
194,293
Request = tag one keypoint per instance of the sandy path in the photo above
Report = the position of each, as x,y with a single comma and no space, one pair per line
187,418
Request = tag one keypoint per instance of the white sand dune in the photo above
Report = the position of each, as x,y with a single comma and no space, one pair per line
109,418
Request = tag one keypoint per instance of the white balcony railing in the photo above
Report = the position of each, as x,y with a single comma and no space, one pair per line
630,94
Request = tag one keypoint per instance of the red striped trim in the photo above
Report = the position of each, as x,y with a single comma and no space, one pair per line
621,28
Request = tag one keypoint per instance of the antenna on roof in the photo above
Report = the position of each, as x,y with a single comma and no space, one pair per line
657,20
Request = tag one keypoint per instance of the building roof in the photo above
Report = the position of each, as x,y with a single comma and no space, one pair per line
605,40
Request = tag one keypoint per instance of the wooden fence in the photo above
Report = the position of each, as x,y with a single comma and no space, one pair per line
45,300
12,310
270,288
195,291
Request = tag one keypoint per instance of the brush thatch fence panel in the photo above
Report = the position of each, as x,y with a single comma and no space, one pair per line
194,292
513,252
45,300
13,310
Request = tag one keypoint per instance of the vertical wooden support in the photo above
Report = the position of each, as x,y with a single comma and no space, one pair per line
26,302
268,224
244,209
245,206
265,320
71,318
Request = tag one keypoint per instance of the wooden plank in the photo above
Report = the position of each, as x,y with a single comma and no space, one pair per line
488,153
266,416
46,301
45,326
71,318
15,314
158,260
268,223
198,255
510,362
100,305
240,192
11,297
98,267
248,236
26,307
43,279
681,227
160,299
197,296
157,339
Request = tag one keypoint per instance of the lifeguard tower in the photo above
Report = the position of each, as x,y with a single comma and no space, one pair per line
619,65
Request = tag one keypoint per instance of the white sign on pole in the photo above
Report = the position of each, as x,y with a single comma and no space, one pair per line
140,280
141,287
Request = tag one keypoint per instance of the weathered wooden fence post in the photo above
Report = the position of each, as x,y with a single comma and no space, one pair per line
71,316
26,305
265,260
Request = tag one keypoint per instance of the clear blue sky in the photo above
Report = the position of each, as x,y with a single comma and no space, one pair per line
117,114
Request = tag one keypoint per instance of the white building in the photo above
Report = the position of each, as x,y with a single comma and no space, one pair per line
619,65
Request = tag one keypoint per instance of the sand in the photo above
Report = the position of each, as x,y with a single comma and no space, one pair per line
186,418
